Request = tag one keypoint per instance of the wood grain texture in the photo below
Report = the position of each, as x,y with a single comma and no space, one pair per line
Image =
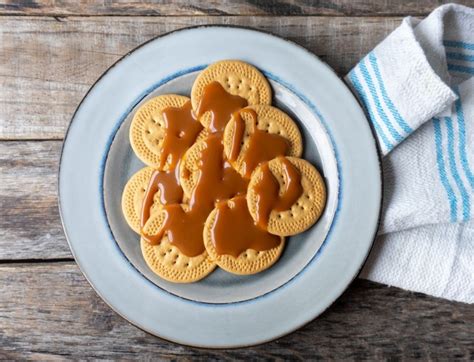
30,227
48,60
50,311
47,65
226,7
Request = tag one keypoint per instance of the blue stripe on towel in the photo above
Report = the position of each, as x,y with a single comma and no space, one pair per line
460,68
460,56
442,171
458,44
365,102
378,106
462,142
401,122
466,207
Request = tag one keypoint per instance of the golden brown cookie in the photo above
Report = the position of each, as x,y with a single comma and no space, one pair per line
132,197
269,119
305,211
248,262
147,130
167,261
237,78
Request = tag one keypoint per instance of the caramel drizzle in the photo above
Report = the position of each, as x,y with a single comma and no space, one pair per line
268,193
183,228
181,130
234,230
263,146
217,181
221,104
167,182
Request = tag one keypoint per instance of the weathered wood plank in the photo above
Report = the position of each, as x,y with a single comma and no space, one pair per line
30,227
47,65
49,311
226,7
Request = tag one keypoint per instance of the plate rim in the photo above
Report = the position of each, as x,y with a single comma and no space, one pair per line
217,26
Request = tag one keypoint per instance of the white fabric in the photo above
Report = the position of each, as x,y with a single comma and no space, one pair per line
417,88
435,260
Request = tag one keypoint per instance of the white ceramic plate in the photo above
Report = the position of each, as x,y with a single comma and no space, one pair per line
222,310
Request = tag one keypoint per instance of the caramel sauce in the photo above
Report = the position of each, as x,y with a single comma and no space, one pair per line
234,230
217,181
268,191
221,104
181,130
167,182
263,146
183,228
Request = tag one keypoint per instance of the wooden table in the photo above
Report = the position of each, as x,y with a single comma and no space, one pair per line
49,56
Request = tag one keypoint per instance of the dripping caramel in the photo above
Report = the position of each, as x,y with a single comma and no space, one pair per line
181,130
167,182
221,104
262,146
268,193
216,181
234,230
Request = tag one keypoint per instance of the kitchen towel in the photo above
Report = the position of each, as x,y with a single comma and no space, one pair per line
417,88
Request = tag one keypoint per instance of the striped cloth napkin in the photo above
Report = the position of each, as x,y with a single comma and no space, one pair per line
417,88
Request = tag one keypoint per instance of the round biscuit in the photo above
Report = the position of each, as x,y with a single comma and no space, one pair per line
248,262
305,211
147,130
237,78
166,261
269,119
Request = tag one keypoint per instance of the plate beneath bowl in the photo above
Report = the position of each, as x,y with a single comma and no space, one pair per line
222,310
